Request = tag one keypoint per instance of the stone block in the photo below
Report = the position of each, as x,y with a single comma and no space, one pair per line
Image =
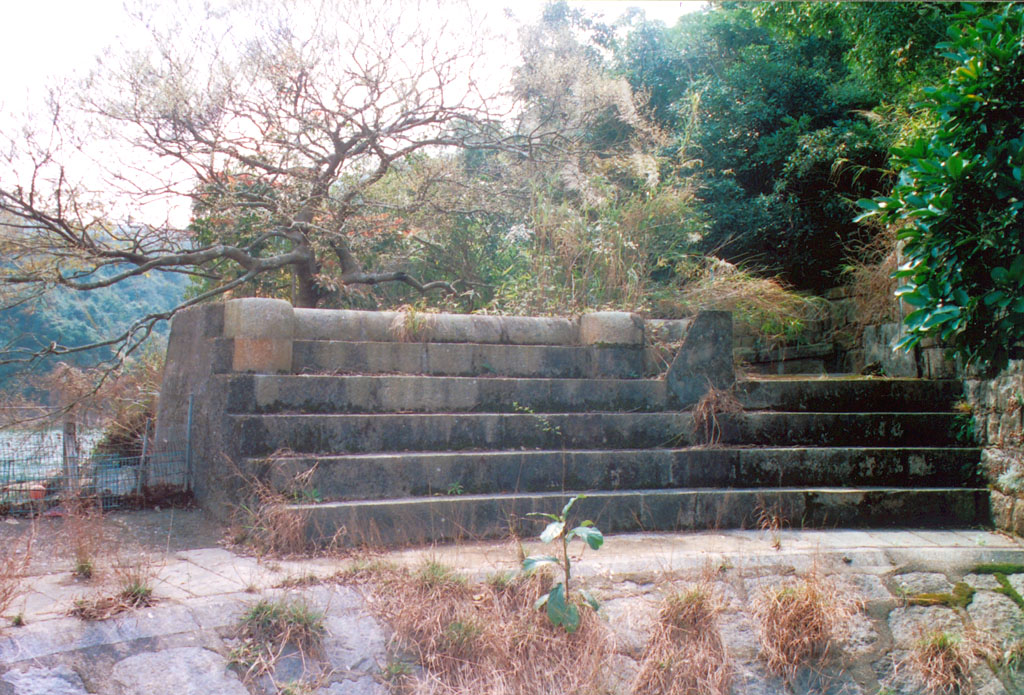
261,355
611,328
254,317
878,347
705,358
531,330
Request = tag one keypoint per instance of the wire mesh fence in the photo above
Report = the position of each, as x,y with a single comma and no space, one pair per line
42,471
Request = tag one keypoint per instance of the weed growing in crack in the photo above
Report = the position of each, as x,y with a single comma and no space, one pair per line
942,661
134,590
269,627
14,561
800,622
706,429
686,654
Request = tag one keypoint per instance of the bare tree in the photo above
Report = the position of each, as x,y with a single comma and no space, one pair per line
278,118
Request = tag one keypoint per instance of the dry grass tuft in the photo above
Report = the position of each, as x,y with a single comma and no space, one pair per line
686,654
86,537
268,628
135,581
705,414
943,661
800,622
871,281
487,638
411,325
14,560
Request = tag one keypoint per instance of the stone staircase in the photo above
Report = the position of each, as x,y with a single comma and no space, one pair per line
380,441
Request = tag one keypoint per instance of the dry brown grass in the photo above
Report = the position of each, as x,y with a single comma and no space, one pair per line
943,661
267,523
871,281
486,639
686,654
800,622
15,557
85,536
774,312
715,402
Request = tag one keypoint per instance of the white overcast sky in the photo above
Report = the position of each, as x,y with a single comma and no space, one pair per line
40,39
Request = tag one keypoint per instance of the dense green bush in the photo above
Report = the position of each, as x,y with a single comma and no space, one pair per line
959,197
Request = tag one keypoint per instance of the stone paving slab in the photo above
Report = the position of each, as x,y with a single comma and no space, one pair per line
183,643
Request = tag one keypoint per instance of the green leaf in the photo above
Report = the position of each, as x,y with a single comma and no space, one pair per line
1018,305
543,515
531,563
1000,274
867,204
1017,269
940,316
539,603
915,299
561,611
568,505
591,601
593,537
553,531
993,297
955,166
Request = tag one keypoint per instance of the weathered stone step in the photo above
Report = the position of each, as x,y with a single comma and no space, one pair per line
848,394
375,476
467,359
259,435
315,393
319,393
430,519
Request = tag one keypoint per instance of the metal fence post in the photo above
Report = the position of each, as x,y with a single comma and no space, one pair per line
188,445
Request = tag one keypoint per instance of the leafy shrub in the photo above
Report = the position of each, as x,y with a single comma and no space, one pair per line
958,202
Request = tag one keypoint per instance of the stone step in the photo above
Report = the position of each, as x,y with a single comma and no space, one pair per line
375,476
315,393
467,517
318,393
259,435
848,394
467,359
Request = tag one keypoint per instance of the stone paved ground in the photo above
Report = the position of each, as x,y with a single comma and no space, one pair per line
183,643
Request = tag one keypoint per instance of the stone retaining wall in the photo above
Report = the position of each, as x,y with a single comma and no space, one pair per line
997,409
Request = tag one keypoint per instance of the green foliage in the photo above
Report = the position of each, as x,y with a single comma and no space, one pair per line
66,317
958,202
560,603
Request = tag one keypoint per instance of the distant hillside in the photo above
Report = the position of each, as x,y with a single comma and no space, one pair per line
68,317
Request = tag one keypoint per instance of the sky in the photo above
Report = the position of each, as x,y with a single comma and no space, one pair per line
40,39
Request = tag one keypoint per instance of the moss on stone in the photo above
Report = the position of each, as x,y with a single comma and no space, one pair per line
960,597
1006,589
998,568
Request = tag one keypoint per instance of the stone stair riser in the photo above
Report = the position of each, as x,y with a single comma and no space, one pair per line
404,521
414,475
389,394
259,435
467,359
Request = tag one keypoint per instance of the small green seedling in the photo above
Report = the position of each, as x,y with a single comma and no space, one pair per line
561,607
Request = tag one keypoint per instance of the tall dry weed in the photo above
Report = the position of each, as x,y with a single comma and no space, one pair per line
15,557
